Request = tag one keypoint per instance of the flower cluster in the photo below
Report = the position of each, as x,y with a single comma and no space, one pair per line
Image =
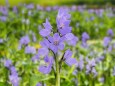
107,40
24,41
55,41
13,77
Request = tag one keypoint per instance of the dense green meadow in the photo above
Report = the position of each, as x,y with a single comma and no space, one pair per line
98,54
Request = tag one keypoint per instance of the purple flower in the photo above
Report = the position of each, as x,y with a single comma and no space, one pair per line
63,21
47,25
56,43
106,41
67,57
71,39
81,63
39,84
85,37
43,51
99,59
47,29
30,50
101,79
24,41
110,48
14,79
45,43
35,58
7,63
75,72
3,18
15,9
110,32
30,6
45,32
1,40
46,69
13,70
90,67
94,72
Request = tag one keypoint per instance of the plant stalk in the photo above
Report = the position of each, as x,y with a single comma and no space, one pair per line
57,72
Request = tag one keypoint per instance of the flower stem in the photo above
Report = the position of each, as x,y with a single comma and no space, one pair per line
57,72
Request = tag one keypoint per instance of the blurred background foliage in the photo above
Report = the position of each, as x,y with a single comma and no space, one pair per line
61,2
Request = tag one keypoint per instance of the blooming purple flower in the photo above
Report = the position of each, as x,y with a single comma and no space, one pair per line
47,25
106,41
110,32
15,9
75,72
14,79
94,72
39,84
46,69
99,59
71,39
63,21
24,41
90,67
7,63
43,51
67,57
1,40
47,29
30,6
3,18
35,58
85,37
45,43
56,43
13,70
101,79
81,63
110,48
30,50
